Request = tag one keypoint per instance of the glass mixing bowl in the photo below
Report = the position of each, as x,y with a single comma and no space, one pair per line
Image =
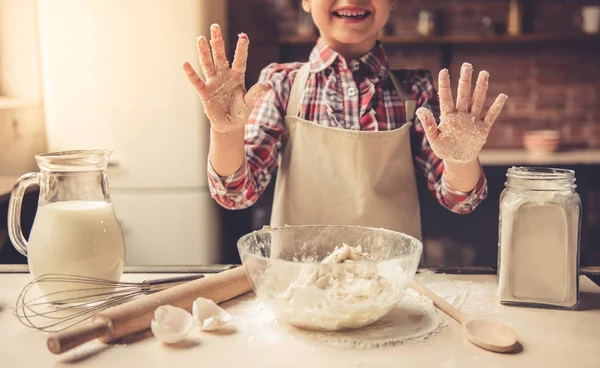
284,267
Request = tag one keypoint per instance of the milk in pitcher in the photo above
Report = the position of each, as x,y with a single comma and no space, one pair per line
79,238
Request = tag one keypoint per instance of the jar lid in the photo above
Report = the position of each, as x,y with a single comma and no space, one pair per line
540,178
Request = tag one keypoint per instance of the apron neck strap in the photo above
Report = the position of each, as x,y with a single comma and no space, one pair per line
410,105
293,107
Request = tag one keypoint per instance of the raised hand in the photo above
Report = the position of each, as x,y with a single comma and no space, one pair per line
226,101
462,131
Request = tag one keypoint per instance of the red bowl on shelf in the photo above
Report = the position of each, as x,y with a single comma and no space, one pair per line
541,141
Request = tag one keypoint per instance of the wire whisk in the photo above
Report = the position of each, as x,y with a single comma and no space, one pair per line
76,299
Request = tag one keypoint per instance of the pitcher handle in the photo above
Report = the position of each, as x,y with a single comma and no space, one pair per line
14,211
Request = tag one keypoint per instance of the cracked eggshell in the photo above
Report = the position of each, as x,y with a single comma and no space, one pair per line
171,324
208,315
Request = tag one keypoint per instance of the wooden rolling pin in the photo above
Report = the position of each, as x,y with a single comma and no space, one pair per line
135,316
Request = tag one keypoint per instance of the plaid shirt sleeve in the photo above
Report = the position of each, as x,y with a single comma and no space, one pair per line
263,135
431,165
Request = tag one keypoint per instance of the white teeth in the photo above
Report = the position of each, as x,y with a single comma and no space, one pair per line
351,13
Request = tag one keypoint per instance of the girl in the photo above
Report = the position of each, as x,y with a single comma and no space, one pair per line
340,127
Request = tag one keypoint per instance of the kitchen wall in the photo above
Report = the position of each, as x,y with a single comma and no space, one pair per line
22,132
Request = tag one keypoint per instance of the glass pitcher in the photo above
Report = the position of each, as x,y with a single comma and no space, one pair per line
76,230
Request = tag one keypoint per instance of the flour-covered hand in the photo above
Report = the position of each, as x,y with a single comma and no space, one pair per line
226,102
462,131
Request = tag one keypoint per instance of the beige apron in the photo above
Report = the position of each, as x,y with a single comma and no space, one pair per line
336,176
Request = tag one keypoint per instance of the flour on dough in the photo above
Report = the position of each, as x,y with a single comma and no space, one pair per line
329,296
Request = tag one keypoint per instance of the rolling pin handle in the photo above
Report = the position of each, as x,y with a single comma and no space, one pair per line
63,341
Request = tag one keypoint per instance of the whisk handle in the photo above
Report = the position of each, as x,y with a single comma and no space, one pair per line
155,285
75,336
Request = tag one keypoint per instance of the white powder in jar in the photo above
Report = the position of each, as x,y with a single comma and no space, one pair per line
538,245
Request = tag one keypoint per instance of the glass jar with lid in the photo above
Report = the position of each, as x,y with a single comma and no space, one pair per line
539,238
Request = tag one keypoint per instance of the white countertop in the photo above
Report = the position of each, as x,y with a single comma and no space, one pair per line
550,338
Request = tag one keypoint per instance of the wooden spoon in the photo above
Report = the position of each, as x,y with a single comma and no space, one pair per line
486,334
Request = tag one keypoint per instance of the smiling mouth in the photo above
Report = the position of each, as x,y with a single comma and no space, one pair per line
352,14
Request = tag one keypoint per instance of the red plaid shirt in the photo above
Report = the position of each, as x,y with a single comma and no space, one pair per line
358,95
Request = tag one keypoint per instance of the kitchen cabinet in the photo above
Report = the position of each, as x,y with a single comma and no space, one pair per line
168,228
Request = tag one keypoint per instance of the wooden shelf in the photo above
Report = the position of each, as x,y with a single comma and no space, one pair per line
460,39
7,103
507,157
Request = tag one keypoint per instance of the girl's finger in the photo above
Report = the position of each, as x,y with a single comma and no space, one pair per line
255,93
464,88
479,94
445,93
428,121
206,62
193,77
494,111
218,47
241,54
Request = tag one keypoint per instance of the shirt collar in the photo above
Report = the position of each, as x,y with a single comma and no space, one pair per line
374,63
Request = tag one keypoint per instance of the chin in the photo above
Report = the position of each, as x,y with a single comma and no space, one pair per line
350,37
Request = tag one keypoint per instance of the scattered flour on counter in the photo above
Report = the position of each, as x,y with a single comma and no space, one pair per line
414,319
477,299
474,298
